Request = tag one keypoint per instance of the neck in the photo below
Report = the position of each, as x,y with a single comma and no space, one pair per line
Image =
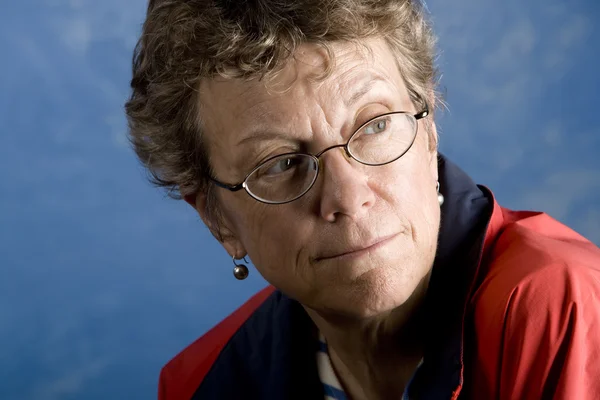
374,358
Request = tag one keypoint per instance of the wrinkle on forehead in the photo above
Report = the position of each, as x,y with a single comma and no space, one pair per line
313,63
309,62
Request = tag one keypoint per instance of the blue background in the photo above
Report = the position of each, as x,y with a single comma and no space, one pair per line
103,278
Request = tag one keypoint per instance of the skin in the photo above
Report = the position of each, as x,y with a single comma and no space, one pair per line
365,302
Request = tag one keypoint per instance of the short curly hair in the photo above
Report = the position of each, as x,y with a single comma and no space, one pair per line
185,41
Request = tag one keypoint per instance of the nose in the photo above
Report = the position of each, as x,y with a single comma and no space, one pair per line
345,190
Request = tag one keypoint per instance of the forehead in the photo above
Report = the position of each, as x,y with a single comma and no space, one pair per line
351,64
231,108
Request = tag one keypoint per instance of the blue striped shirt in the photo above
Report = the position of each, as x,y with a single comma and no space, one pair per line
331,385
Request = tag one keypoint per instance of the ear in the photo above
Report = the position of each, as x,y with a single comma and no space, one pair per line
217,224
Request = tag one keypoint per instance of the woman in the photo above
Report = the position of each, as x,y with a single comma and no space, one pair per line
303,135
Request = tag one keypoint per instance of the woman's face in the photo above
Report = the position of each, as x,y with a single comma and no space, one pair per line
359,242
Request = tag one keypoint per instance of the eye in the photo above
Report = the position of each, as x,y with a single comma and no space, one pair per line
376,126
279,166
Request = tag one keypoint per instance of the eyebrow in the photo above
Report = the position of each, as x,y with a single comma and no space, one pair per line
260,136
250,152
363,90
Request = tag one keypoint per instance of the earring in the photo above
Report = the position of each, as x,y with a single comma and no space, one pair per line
240,271
440,196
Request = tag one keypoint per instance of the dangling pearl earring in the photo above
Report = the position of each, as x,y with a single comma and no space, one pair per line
240,271
440,196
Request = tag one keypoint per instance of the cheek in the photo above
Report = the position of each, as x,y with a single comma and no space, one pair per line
409,189
274,237
407,182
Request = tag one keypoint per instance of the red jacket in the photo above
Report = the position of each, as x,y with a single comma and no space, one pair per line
515,314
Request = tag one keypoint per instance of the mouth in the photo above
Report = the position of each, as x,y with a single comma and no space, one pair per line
360,250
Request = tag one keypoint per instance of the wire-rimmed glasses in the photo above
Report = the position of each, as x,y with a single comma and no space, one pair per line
286,177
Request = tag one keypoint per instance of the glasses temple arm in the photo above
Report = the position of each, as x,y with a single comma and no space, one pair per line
422,114
233,188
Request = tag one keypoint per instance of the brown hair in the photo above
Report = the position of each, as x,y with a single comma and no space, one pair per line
184,41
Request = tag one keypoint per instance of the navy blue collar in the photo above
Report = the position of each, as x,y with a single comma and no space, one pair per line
465,215
272,356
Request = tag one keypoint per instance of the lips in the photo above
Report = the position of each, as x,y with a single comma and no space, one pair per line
357,249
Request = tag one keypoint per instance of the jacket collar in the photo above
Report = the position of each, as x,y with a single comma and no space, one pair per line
465,215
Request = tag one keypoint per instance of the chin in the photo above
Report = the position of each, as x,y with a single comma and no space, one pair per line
374,292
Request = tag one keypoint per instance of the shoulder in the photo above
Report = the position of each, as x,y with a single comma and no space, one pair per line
535,253
181,376
536,311
534,259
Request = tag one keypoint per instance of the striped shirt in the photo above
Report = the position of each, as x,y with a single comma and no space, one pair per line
331,385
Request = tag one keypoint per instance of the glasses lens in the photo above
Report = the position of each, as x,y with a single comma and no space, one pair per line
282,178
383,139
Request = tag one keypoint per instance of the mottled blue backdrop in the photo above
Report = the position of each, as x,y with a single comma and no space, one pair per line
103,278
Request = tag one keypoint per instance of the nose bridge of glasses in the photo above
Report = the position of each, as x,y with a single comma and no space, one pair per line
344,147
348,157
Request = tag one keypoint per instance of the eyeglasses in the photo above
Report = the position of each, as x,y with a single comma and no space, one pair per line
287,177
